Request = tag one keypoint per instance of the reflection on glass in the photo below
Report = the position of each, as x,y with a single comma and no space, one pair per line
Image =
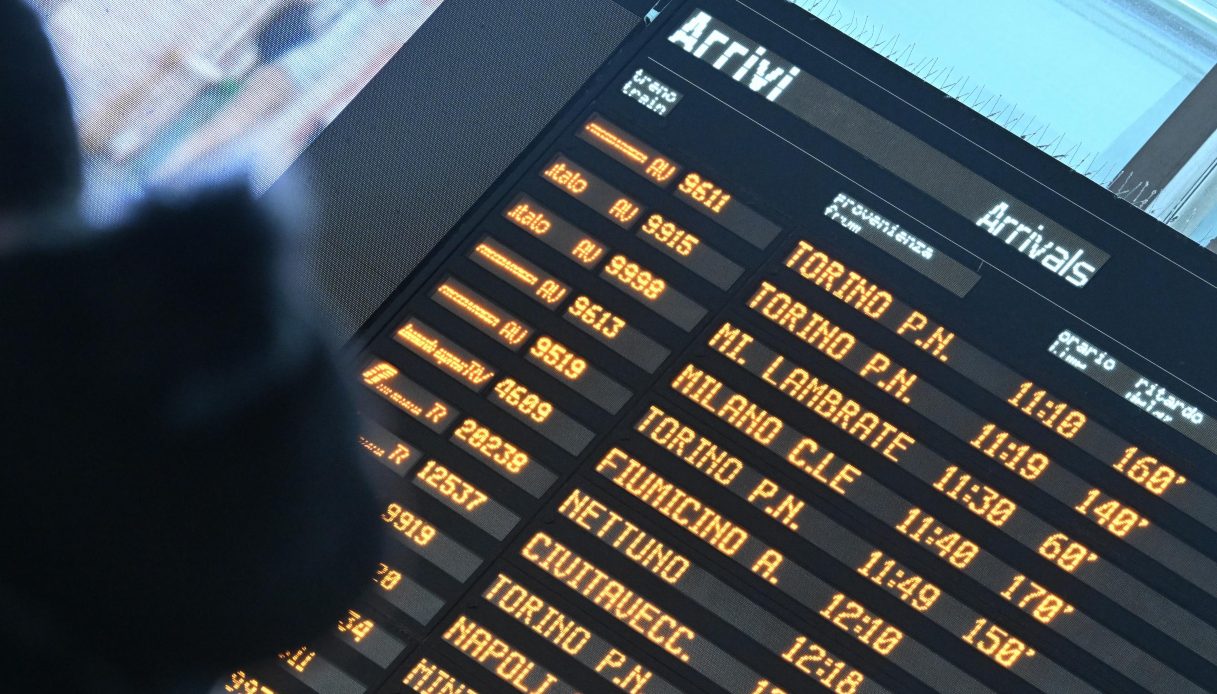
1088,81
189,90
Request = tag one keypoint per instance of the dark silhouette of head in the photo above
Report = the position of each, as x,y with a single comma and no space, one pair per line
40,162
179,487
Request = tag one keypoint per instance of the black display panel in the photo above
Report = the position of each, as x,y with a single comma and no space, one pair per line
766,369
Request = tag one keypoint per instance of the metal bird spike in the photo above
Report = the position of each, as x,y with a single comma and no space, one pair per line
867,30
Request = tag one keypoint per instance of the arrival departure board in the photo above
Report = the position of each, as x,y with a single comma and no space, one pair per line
767,369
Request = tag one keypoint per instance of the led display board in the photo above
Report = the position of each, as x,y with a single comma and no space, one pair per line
766,369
